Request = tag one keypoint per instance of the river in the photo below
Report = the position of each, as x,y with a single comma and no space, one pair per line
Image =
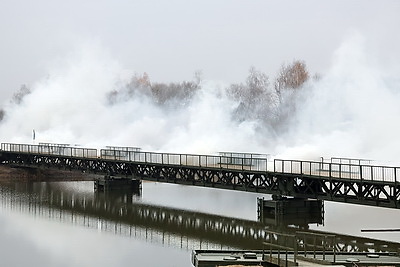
68,224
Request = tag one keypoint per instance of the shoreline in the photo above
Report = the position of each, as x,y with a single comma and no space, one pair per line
17,174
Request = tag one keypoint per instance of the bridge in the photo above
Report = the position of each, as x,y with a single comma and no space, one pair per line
348,181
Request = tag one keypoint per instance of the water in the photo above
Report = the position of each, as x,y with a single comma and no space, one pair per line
67,224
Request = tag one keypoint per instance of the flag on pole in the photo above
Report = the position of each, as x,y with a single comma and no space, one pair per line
33,134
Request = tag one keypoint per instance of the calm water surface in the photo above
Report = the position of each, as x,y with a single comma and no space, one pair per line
67,224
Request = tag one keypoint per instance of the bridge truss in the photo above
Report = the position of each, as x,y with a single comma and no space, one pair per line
349,183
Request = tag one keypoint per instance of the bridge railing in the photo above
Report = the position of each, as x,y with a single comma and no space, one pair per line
352,161
338,170
50,150
223,162
312,168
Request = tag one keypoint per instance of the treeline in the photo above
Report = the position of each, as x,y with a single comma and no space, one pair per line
269,102
258,97
163,94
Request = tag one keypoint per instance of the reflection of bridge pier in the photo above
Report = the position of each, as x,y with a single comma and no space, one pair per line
124,185
290,211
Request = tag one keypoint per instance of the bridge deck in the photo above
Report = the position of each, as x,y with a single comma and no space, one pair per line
206,258
343,182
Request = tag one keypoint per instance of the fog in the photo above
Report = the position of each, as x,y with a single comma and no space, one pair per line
72,55
170,40
350,111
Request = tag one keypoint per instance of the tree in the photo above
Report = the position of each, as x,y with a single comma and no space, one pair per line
255,98
257,84
160,93
2,113
291,76
139,83
20,94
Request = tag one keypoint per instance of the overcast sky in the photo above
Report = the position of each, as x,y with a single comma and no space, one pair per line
172,39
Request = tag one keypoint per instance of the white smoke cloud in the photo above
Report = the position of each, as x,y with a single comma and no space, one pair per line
70,106
66,105
351,112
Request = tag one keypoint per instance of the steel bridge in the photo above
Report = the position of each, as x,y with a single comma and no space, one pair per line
348,181
174,227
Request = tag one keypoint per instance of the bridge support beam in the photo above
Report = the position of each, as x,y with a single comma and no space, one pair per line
111,183
290,211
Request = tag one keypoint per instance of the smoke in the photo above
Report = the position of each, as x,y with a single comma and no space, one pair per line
71,106
351,112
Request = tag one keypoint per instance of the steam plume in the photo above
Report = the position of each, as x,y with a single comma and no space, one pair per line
351,111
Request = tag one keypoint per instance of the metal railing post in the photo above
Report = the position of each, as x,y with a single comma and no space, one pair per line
372,173
295,250
315,245
383,174
334,249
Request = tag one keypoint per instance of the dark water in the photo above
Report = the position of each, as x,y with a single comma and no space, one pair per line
68,224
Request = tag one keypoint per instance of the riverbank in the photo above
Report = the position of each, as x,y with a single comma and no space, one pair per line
11,174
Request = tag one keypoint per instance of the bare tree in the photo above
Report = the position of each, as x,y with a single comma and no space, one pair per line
139,83
198,77
257,84
2,113
160,93
20,94
112,97
287,87
255,97
291,76
180,93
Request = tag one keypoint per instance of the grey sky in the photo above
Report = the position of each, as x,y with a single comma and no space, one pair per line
172,39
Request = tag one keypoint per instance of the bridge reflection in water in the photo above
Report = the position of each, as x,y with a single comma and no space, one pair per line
124,214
